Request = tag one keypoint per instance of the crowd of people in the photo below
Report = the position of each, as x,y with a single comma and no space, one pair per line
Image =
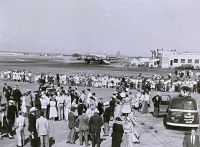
155,82
82,109
86,114
16,75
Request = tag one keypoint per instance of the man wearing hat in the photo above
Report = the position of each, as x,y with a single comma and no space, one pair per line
112,107
7,90
20,124
106,118
16,93
95,124
4,128
32,127
156,101
117,133
83,122
71,126
11,115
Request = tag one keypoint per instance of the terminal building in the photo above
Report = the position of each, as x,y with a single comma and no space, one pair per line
174,59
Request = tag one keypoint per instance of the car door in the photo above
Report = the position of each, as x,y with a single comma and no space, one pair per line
164,103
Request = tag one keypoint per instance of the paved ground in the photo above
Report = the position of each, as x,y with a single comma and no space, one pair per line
151,130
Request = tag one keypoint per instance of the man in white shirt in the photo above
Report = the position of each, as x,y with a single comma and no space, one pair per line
60,105
87,100
44,103
67,104
42,128
20,124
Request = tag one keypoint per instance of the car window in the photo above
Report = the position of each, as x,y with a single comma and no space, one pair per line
177,105
190,105
185,105
165,98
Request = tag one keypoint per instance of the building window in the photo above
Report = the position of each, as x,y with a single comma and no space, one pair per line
182,60
196,61
189,60
175,60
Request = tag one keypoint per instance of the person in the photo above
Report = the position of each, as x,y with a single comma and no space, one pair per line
16,93
90,111
95,124
146,102
112,107
67,105
42,128
117,112
87,98
11,115
83,122
28,101
60,106
71,126
132,116
4,128
44,104
81,107
20,125
32,127
53,110
126,108
7,91
128,132
100,106
106,119
156,101
191,140
117,132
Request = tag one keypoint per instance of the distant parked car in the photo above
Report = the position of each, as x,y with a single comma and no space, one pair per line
185,66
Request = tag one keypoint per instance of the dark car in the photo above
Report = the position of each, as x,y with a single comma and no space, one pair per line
182,112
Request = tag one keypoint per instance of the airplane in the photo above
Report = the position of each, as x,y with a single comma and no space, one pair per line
97,58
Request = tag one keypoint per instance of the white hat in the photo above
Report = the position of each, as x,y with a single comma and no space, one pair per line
11,101
123,94
115,92
106,104
33,109
127,89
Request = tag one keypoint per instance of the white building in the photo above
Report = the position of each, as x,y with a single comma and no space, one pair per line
172,59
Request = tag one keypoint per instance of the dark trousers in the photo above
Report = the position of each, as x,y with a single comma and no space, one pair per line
95,139
10,125
156,111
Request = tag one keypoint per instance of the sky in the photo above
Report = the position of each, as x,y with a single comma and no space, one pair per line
133,27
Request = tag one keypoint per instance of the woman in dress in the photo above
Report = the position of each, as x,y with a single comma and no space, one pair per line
128,133
53,110
146,102
126,107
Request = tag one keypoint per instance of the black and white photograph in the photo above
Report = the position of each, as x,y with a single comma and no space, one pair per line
99,73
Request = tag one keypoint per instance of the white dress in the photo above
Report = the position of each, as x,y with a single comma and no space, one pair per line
126,107
53,111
